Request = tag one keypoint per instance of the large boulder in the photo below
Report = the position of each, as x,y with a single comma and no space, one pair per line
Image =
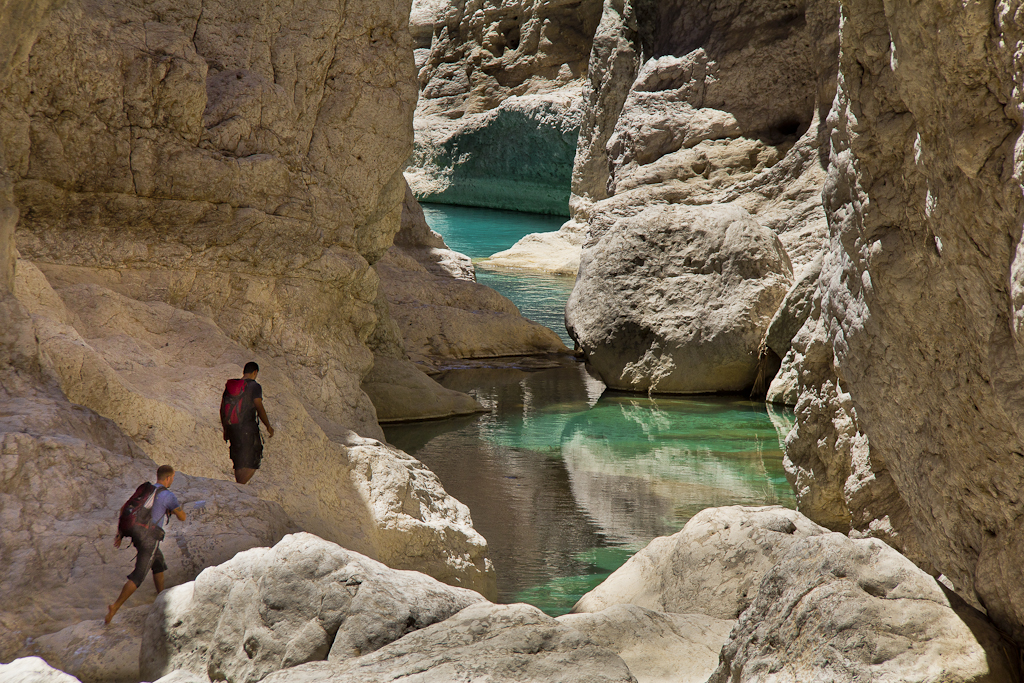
303,600
713,566
496,643
676,299
499,109
911,365
95,652
846,610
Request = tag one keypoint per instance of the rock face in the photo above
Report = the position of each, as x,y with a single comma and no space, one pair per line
159,371
499,109
500,643
228,161
441,313
701,103
657,647
33,670
273,608
839,609
94,652
922,283
676,299
713,566
811,604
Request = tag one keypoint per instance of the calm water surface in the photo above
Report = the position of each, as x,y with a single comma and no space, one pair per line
478,233
564,479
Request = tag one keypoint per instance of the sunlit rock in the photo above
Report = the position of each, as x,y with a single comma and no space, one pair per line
274,608
846,610
500,643
499,109
676,299
657,647
909,414
713,566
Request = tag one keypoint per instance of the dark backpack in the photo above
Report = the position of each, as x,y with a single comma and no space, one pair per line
138,510
235,403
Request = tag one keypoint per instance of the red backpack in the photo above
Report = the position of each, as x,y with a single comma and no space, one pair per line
234,403
140,503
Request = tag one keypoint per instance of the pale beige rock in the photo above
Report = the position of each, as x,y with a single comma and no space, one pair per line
676,299
496,643
33,670
303,600
400,391
159,371
94,652
550,252
64,472
657,647
713,566
837,609
229,160
919,323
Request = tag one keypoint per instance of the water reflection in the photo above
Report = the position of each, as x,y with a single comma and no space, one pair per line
566,482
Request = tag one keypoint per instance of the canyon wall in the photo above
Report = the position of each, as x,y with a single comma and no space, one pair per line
704,119
499,110
909,420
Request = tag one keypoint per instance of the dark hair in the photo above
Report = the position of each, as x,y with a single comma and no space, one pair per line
250,367
163,472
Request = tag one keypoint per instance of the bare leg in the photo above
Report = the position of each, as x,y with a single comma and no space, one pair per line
158,581
244,474
126,593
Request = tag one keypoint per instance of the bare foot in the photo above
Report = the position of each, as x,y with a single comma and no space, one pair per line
111,611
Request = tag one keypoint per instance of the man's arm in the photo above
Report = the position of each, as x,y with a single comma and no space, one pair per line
263,415
179,513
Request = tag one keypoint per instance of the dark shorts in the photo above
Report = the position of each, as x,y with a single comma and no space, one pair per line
246,449
147,543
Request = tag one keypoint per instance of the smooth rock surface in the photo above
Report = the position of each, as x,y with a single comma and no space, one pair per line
922,282
495,643
33,670
303,600
713,566
838,609
676,299
657,647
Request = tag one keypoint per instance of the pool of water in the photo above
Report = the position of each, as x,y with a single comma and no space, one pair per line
566,480
479,233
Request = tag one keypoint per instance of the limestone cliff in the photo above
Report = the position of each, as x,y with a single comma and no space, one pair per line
499,110
909,421
705,105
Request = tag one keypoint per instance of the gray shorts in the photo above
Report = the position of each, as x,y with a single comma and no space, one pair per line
147,543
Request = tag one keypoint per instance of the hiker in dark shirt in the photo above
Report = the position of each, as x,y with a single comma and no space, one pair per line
146,538
240,405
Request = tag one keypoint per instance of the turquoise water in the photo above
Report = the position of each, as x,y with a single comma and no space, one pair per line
479,233
564,479
567,481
